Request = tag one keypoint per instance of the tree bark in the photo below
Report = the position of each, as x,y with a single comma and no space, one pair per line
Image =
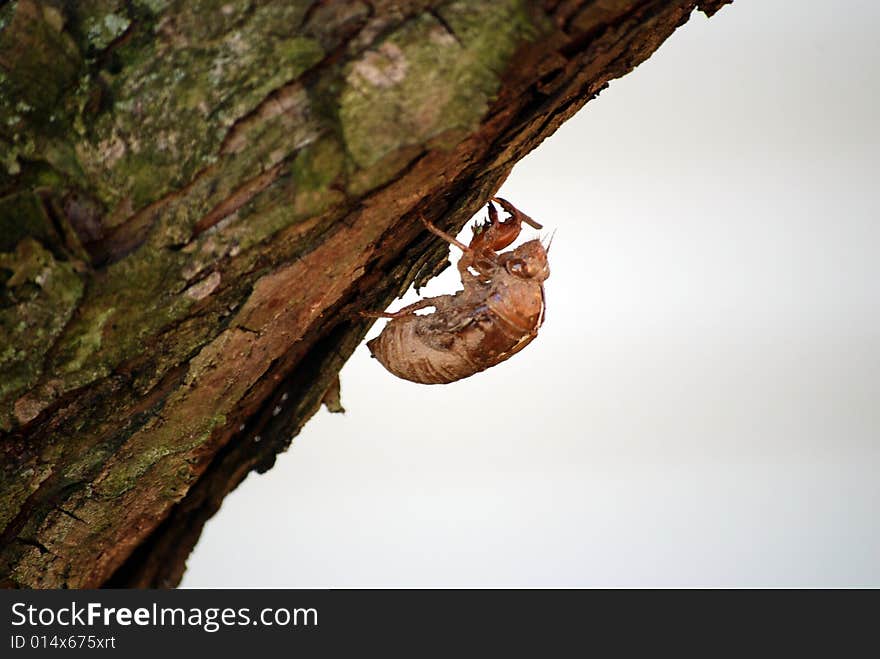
196,199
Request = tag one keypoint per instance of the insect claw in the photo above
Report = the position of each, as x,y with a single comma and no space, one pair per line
513,210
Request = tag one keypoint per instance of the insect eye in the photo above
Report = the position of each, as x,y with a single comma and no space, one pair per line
518,267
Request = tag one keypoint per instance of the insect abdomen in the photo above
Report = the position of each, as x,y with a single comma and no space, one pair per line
405,353
413,349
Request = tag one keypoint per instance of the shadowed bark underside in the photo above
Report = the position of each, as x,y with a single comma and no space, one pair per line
196,199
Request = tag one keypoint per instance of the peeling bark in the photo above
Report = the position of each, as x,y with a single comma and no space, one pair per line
196,199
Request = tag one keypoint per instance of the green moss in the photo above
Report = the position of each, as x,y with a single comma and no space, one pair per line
22,216
304,192
382,171
103,29
61,156
159,441
154,6
86,342
41,294
129,302
137,297
314,169
181,93
275,209
39,62
422,81
16,487
317,165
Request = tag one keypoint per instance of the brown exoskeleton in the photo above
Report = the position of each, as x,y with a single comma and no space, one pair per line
496,315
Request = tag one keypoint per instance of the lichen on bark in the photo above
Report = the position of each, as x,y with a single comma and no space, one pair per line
40,294
432,79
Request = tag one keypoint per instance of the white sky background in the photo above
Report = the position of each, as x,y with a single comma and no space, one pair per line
702,406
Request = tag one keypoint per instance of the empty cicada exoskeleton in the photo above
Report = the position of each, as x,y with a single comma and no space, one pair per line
496,315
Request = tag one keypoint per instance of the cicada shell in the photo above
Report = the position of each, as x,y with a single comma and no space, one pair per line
496,314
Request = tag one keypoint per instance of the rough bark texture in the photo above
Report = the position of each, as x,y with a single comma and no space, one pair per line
195,200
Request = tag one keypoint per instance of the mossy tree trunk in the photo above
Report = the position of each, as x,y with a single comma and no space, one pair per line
196,198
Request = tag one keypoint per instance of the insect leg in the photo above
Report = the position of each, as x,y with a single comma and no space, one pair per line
516,214
407,310
471,253
445,236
